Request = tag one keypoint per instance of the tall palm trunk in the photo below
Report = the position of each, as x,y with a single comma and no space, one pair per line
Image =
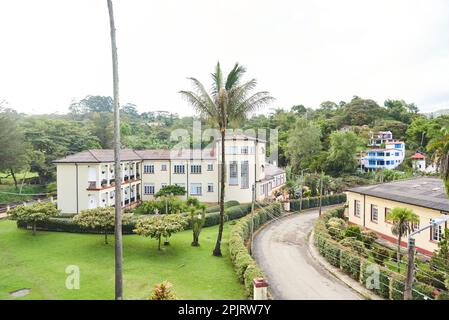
118,182
217,250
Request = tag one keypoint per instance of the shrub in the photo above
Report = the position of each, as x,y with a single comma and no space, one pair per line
422,291
397,287
379,254
354,245
350,263
252,271
332,253
33,214
227,204
368,237
336,228
383,288
353,231
241,262
162,291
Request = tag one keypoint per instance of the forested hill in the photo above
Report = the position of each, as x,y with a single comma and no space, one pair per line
309,138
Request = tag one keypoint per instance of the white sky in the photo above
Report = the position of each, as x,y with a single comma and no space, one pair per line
303,52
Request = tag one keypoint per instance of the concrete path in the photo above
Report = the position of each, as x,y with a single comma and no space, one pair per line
281,250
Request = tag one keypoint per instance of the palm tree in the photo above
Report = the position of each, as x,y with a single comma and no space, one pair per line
118,203
402,219
440,149
229,102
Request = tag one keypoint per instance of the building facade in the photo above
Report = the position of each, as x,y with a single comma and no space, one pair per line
384,152
86,180
368,207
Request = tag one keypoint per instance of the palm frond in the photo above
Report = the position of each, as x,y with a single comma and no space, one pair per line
217,83
234,76
201,106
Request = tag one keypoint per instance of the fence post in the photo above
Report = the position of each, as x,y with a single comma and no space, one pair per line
51,199
260,286
8,208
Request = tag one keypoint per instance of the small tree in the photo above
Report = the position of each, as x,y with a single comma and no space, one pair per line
197,220
402,219
162,291
31,214
160,226
102,219
174,190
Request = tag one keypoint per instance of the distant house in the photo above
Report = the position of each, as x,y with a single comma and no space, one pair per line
368,207
419,163
86,180
384,153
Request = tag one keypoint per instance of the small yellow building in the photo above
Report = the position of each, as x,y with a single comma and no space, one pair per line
368,207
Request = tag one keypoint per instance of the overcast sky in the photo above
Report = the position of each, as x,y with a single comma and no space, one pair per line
303,52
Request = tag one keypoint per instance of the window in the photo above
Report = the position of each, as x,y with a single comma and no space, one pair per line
195,189
396,154
244,150
398,146
148,168
387,212
436,232
163,167
148,188
387,154
374,213
163,185
210,167
195,168
179,168
244,175
210,187
357,208
233,173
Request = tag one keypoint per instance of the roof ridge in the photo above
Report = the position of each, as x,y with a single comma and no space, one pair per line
90,151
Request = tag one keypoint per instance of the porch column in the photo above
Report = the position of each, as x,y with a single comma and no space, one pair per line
98,176
108,175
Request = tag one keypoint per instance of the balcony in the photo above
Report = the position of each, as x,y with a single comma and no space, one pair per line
92,185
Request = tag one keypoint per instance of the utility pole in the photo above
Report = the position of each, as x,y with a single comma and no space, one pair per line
118,174
321,190
410,269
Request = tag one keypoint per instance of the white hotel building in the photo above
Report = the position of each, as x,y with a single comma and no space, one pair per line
86,179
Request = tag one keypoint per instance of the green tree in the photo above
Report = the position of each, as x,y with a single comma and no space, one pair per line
440,150
362,112
158,226
229,102
342,152
402,219
102,219
92,104
13,155
174,190
303,144
31,214
54,138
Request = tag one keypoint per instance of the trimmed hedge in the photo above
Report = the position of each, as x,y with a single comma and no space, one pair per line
355,264
227,204
63,224
244,265
314,202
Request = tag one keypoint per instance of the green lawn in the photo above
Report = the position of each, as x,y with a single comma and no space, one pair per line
39,262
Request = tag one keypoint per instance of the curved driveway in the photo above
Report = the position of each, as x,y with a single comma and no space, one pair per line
281,250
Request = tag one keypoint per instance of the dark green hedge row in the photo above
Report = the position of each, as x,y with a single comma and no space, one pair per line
389,284
244,265
67,225
314,202
227,204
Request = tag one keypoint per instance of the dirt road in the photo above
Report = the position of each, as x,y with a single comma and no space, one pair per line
281,251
